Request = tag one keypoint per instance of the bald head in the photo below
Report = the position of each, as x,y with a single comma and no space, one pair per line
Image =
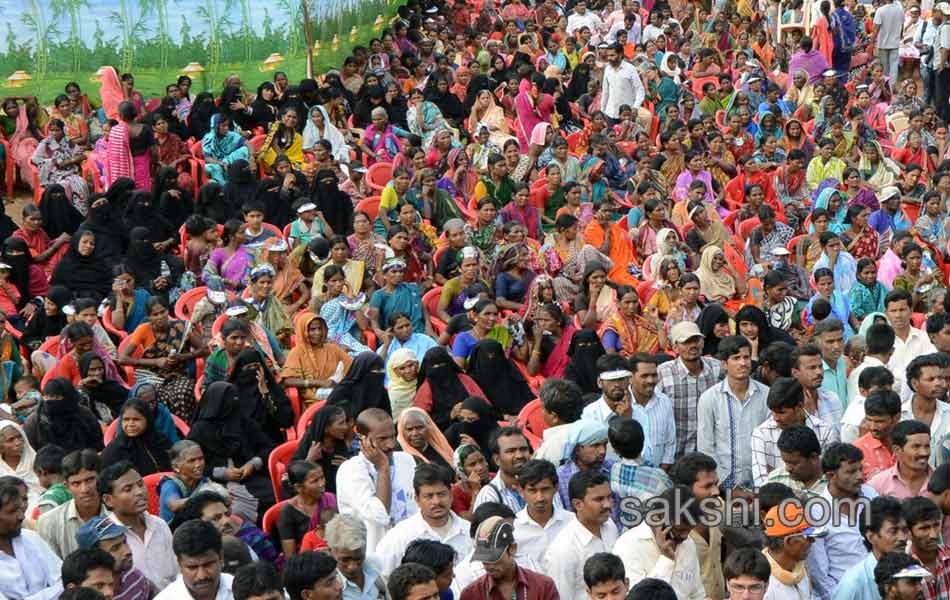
376,430
371,419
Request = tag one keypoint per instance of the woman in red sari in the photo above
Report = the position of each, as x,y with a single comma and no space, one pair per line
860,239
627,332
914,152
553,333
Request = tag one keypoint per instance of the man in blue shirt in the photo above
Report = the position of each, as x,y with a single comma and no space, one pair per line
885,530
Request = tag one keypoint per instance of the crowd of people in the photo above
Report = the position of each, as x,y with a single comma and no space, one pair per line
530,299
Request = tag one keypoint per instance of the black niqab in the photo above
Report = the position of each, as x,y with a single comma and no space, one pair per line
336,205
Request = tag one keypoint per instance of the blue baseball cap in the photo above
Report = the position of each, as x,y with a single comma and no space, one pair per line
97,529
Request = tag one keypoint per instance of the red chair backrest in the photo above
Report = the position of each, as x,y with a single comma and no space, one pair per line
431,300
746,227
277,463
270,517
304,421
370,206
110,432
735,259
151,484
378,175
531,419
186,303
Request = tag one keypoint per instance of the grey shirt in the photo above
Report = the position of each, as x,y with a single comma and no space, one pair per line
890,24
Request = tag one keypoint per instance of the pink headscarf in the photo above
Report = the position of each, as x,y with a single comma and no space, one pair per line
539,132
111,92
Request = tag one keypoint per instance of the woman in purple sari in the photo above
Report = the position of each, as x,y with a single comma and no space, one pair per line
228,266
379,141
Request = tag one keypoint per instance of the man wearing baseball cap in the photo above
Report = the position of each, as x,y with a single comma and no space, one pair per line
789,536
900,577
105,534
495,548
683,380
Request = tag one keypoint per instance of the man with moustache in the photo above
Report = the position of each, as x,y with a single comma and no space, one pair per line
911,471
510,451
539,522
495,548
197,546
434,521
103,533
928,404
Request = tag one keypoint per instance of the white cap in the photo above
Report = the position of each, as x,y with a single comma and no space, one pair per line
829,73
236,311
780,251
943,7
615,374
217,296
306,206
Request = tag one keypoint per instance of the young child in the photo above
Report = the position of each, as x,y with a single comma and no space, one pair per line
28,396
315,539
48,466
9,294
779,306
355,184
310,499
256,233
203,237
308,225
840,307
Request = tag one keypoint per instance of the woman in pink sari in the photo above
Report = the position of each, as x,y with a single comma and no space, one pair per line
110,92
528,113
24,140
118,156
379,141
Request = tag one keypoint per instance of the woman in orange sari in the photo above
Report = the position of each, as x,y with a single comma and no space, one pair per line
763,49
75,126
110,92
288,285
619,246
627,332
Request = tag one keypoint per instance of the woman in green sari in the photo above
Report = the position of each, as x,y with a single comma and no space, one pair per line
432,202
668,88
569,166
270,310
486,234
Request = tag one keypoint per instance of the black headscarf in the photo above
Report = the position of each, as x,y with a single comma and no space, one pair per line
41,326
584,351
218,425
448,103
580,77
232,93
59,214
315,432
84,276
263,113
63,422
199,118
175,210
109,229
335,204
710,316
109,392
143,259
442,373
142,212
241,186
480,430
148,452
504,385
119,194
273,414
21,262
362,387
767,333
212,203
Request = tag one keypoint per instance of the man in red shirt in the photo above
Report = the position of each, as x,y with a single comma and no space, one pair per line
882,411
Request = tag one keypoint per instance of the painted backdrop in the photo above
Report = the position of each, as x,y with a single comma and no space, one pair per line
57,41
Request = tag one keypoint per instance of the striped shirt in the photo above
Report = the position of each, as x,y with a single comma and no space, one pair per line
684,389
630,479
133,586
659,411
937,586
765,453
725,422
780,475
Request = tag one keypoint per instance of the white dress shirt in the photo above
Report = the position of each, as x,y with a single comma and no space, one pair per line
565,558
532,539
177,590
869,361
33,573
916,344
356,493
588,19
725,426
939,425
393,545
642,558
621,85
153,556
552,443
851,420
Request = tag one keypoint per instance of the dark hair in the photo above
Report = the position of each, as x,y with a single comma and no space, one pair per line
778,357
49,459
81,593
501,432
298,470
402,579
610,362
640,358
875,377
838,453
196,537
935,322
256,579
916,367
430,553
582,481
77,564
748,562
785,392
563,398
303,570
879,338
905,429
804,350
800,439
626,437
731,345
882,508
772,494
77,330
195,505
108,476
882,403
603,567
432,474
535,471
939,480
918,508
231,226
652,589
686,470
897,296
81,460
891,564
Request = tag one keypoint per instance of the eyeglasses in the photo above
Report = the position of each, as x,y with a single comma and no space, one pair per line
755,588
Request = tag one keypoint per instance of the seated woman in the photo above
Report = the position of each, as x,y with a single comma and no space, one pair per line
719,281
553,332
452,299
188,465
867,295
234,447
402,378
103,395
161,349
262,399
128,301
765,237
353,269
630,329
917,279
76,340
859,239
485,234
596,298
504,384
397,297
417,435
164,423
520,210
514,278
835,257
310,499
840,307
444,387
484,318
932,225
379,140
45,250
342,312
271,314
752,324
220,147
327,441
319,127
60,161
228,266
282,139
44,324
61,420
314,362
84,275
17,457
137,440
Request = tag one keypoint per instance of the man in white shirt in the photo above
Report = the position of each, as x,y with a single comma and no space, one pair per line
909,342
888,26
808,367
376,484
562,401
149,537
539,522
29,570
591,532
925,378
197,547
621,84
434,521
58,527
663,548
879,344
658,408
585,18
871,379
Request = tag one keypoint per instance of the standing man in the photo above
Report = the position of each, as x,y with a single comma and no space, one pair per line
605,577
729,411
941,63
909,342
123,492
621,85
538,523
257,581
911,471
591,532
658,408
684,379
495,548
788,541
585,449
434,521
821,370
103,533
801,456
900,577
883,411
927,405
923,522
888,26
698,472
885,530
59,526
313,575
376,484
90,568
197,547
510,451
924,41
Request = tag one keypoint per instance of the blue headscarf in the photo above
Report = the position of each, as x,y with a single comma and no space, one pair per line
584,432
836,223
162,418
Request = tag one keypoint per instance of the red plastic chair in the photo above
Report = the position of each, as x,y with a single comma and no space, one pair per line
793,243
255,144
273,229
918,320
304,421
746,227
431,301
277,463
197,165
35,179
735,259
286,232
370,206
378,175
186,303
109,327
698,83
730,220
151,484
911,210
269,522
531,421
